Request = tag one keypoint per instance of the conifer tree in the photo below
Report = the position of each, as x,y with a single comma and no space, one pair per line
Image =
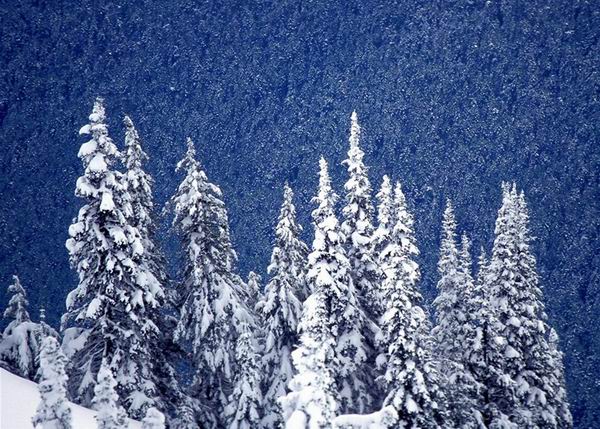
311,402
245,403
358,232
53,411
281,308
411,378
163,351
21,340
253,289
106,401
522,386
213,307
385,217
153,419
455,333
108,313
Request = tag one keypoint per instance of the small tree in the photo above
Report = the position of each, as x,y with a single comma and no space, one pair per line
153,419
245,402
253,289
53,411
106,401
21,340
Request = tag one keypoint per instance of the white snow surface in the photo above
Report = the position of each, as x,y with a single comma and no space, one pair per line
19,398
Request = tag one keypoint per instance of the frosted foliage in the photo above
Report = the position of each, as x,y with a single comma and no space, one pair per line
153,419
245,404
213,307
16,311
456,331
411,377
281,308
106,400
53,411
359,235
526,383
117,294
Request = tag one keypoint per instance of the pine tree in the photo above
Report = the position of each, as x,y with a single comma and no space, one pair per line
358,233
106,401
53,411
213,307
411,377
108,314
456,332
246,400
21,340
558,401
153,419
281,308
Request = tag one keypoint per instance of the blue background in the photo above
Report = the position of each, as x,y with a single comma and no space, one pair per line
453,97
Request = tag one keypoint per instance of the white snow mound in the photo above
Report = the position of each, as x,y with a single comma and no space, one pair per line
19,399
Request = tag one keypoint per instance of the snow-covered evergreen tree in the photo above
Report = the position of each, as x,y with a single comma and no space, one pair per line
385,217
53,411
213,307
456,333
106,400
281,308
558,399
253,289
21,339
108,314
358,233
245,404
524,381
153,419
163,351
411,378
318,361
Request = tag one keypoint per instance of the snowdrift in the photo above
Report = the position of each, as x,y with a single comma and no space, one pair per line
19,399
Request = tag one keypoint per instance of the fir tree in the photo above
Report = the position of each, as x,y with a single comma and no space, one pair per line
245,402
253,289
53,411
558,400
281,308
108,314
358,232
153,419
411,377
21,340
524,372
456,332
162,351
311,402
106,401
213,307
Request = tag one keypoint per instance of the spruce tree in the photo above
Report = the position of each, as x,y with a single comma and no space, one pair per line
245,404
455,333
162,351
358,233
281,308
153,419
21,339
253,289
109,415
213,307
53,411
522,390
108,314
411,378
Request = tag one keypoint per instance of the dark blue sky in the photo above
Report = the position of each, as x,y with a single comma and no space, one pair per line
453,97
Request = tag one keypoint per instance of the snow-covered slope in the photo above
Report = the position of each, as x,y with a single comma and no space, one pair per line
19,399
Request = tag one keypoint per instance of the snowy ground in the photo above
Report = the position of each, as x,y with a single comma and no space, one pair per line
19,399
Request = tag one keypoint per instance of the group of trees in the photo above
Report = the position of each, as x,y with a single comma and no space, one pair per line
338,337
